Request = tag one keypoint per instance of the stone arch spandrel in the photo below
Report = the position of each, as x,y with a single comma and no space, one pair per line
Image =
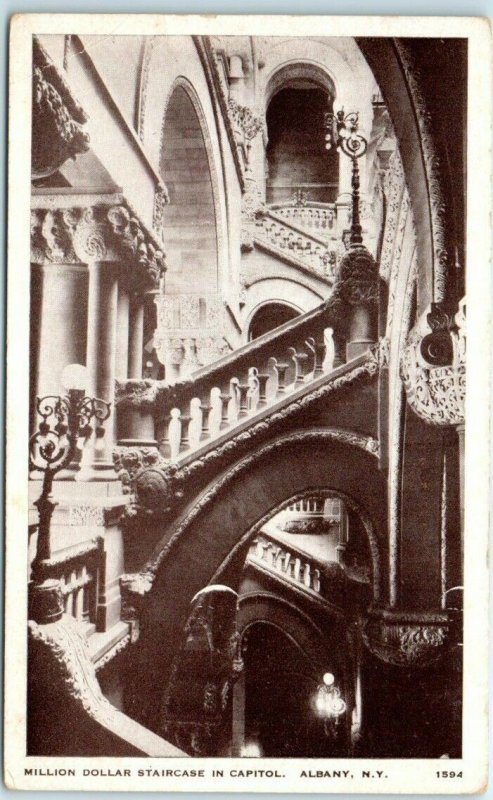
252,494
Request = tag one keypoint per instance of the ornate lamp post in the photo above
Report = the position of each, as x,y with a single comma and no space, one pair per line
330,704
64,420
342,133
358,279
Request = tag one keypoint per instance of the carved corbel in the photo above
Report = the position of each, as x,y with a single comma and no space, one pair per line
57,118
407,640
433,366
146,261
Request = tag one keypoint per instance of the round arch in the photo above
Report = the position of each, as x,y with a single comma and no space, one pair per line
192,217
271,609
298,74
228,511
269,315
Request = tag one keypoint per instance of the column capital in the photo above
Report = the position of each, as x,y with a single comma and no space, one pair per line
58,119
78,229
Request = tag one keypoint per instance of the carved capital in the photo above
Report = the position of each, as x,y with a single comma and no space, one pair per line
97,232
433,367
57,118
408,640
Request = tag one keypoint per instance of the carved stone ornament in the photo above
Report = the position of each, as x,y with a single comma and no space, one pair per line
436,389
98,232
161,200
57,118
408,640
137,393
357,279
153,481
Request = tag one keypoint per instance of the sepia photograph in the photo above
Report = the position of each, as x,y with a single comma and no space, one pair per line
245,318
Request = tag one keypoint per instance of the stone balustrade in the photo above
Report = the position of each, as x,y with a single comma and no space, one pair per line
80,571
280,231
287,562
244,384
318,218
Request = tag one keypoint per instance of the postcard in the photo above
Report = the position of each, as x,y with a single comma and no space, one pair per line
247,448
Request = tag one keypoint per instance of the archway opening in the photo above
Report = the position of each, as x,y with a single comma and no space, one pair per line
268,317
299,166
189,218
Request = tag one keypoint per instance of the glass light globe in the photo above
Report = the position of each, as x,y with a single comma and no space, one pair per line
328,679
75,376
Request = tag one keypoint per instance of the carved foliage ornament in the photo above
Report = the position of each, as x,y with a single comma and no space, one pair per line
97,233
406,641
57,118
433,367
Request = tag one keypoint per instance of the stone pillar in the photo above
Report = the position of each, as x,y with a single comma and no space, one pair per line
136,337
135,418
61,323
358,286
101,351
122,333
361,331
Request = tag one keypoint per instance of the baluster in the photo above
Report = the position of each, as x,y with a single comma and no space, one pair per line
243,389
281,368
205,408
185,433
307,576
262,378
301,363
339,351
225,398
297,568
319,350
286,562
316,580
164,442
85,600
259,549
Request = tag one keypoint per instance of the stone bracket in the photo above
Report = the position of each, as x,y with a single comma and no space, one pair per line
407,639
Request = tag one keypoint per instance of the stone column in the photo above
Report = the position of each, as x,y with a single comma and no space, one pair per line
238,714
136,336
122,333
61,324
101,352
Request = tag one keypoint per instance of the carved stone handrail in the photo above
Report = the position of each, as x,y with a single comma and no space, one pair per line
58,118
292,242
63,684
319,219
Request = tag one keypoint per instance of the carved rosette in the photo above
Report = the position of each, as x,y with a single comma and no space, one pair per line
98,232
407,640
57,118
433,368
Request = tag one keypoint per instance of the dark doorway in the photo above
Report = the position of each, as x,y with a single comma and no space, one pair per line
269,317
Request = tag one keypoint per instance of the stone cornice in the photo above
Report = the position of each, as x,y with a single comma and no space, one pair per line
57,117
82,229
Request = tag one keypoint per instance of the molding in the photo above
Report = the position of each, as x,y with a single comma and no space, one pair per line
433,169
110,654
